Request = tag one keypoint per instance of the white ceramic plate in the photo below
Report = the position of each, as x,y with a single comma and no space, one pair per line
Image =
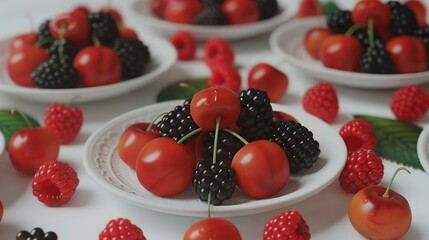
161,61
103,164
287,41
423,148
2,143
142,10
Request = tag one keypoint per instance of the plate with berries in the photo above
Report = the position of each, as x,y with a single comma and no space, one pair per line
81,55
161,157
351,56
205,21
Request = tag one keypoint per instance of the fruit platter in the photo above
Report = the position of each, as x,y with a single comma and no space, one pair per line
228,140
241,29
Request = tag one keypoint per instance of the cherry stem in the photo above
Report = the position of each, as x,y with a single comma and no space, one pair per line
26,119
386,193
351,30
216,137
149,127
237,136
63,30
209,203
96,41
184,138
371,31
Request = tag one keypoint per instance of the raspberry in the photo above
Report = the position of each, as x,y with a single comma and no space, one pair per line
217,50
185,45
363,168
225,75
358,134
65,121
287,225
321,101
121,228
409,103
55,183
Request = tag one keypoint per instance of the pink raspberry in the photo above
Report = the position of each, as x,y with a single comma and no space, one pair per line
185,45
321,101
409,103
287,225
358,134
121,228
218,51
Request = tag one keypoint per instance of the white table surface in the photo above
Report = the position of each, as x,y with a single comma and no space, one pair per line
92,207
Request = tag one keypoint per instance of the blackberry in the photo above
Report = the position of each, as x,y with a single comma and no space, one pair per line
267,8
227,146
256,115
43,34
36,234
134,56
403,20
214,180
298,143
55,73
339,21
177,123
61,48
212,3
210,16
423,34
103,27
376,59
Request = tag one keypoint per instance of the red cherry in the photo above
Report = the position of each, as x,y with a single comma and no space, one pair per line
158,7
165,167
97,65
182,11
262,169
308,8
83,9
364,10
341,52
212,103
31,147
127,32
283,116
22,63
377,212
314,38
132,140
213,229
22,41
73,25
115,13
419,10
408,54
269,79
240,11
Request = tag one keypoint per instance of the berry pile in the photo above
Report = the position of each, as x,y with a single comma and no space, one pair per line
216,162
79,48
373,37
214,12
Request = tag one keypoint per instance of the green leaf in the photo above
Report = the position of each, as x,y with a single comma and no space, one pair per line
184,89
10,123
329,7
396,140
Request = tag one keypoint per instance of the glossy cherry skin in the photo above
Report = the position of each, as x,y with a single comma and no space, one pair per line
269,79
262,169
371,9
341,52
22,63
419,10
211,103
132,140
308,8
22,41
182,11
97,66
240,11
213,229
377,217
127,32
314,38
74,25
408,54
30,148
164,167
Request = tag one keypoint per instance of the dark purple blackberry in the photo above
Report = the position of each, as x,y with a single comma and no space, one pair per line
43,34
376,59
210,16
36,234
134,56
403,20
103,27
177,123
212,3
61,48
298,143
55,74
227,146
216,181
267,8
339,21
256,115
